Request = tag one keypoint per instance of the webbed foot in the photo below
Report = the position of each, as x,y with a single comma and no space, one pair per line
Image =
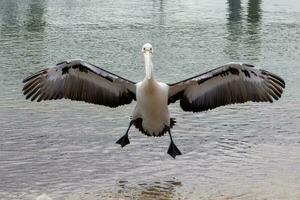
123,141
173,150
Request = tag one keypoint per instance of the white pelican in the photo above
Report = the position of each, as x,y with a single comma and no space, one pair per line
82,81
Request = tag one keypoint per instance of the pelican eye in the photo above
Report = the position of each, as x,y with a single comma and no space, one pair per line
144,49
150,49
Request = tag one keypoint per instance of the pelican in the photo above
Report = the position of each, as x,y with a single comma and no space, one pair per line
83,81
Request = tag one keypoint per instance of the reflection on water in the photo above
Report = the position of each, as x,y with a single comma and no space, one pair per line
67,149
234,28
22,16
254,13
27,30
10,21
35,16
159,6
240,37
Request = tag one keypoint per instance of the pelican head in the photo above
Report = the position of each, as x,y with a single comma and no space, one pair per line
147,48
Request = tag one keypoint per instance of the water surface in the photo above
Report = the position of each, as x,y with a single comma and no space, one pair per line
66,149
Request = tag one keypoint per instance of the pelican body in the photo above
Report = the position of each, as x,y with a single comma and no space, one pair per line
82,81
152,100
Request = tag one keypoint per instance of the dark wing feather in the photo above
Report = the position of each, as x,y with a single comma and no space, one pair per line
228,84
81,81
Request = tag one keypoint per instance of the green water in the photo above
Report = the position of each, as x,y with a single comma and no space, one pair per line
67,149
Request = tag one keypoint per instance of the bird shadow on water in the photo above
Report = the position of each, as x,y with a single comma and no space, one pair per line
126,190
154,190
151,190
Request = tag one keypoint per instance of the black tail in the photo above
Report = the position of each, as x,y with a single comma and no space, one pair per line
139,121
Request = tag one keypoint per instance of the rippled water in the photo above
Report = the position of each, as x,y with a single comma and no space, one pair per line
67,149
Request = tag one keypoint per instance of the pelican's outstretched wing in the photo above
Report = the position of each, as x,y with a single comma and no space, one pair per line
82,81
228,84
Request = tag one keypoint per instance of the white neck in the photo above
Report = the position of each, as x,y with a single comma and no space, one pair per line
148,65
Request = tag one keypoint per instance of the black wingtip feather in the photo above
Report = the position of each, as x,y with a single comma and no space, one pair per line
248,65
34,75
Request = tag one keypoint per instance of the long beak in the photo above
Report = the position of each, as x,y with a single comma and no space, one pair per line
148,65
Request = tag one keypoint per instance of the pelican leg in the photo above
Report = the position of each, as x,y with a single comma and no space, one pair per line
123,141
173,150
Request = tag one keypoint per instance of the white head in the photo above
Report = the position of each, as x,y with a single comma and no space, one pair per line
147,48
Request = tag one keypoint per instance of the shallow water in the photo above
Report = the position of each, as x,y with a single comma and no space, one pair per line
66,149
